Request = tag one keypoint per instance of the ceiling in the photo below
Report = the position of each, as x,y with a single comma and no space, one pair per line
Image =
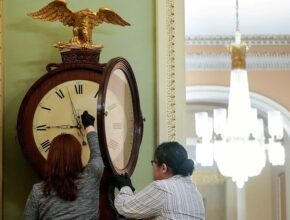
256,17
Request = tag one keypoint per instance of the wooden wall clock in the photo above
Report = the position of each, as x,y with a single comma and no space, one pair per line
54,103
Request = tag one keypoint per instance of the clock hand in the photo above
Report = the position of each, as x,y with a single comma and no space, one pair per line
75,113
70,127
77,118
62,126
82,136
80,133
73,108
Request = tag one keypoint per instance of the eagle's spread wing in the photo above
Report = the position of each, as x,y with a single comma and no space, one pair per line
55,11
109,16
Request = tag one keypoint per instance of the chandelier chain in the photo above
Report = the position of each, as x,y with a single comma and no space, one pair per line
237,16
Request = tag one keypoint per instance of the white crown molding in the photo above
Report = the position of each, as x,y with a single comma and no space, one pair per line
248,39
222,61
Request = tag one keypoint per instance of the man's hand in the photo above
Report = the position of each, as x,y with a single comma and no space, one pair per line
122,180
87,119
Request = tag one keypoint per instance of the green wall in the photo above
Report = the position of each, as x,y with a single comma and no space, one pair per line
27,50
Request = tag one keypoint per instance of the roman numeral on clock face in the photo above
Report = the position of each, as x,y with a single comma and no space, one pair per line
112,106
113,144
59,93
117,125
79,88
44,107
41,128
96,95
45,145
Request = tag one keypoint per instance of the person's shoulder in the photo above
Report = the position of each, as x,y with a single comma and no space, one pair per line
37,185
172,180
160,183
37,188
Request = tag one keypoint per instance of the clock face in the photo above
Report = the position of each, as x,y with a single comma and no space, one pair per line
119,119
120,122
55,102
59,112
53,105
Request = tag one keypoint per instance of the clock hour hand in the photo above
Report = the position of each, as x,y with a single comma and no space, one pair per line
80,133
70,127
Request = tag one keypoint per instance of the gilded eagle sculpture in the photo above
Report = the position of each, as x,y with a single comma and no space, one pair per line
83,22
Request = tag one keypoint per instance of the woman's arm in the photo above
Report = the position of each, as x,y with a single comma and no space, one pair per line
90,128
144,204
93,142
31,208
96,160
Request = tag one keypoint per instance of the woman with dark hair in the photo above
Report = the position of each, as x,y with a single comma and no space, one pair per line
69,191
173,194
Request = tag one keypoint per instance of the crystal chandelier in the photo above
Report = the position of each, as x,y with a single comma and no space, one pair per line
234,138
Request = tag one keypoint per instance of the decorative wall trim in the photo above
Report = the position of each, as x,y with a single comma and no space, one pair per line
208,177
170,70
227,39
222,61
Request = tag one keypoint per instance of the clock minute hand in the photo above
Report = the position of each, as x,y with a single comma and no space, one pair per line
73,108
62,126
76,115
77,118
